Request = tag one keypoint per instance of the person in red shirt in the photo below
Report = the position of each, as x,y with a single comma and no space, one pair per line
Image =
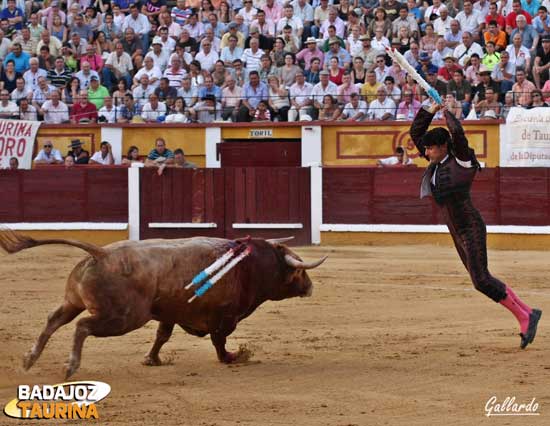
83,111
511,18
445,73
493,15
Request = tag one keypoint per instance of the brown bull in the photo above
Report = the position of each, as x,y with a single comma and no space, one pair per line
126,284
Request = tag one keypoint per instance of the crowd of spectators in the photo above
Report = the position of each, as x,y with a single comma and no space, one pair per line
260,60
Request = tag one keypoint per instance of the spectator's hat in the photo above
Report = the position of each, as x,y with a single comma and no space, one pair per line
364,37
75,143
424,56
157,40
209,97
232,26
94,78
310,40
546,38
333,40
449,56
324,72
483,70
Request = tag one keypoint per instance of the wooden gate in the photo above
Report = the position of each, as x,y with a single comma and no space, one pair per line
229,202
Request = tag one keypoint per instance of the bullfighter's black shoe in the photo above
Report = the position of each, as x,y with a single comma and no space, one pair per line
529,336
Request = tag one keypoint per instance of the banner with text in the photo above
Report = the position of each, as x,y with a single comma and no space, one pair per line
525,138
17,141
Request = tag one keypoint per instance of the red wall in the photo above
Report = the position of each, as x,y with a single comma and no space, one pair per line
504,196
60,195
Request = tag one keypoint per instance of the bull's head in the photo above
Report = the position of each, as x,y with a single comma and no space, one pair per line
296,281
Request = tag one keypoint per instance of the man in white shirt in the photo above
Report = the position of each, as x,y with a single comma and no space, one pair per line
55,111
110,112
142,92
150,70
442,24
104,156
31,75
159,56
48,155
206,56
355,109
470,20
153,110
382,108
21,91
321,89
290,20
85,75
399,159
175,73
252,56
300,98
467,48
139,23
8,109
190,93
118,65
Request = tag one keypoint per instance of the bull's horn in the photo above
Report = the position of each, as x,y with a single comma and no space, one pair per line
302,265
280,240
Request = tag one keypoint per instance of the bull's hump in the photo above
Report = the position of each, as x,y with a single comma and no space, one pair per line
212,243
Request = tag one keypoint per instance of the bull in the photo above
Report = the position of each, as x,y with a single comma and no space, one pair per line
126,284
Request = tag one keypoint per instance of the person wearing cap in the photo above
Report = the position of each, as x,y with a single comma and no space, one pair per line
336,51
79,155
448,179
321,89
104,156
160,58
445,73
425,65
309,52
541,64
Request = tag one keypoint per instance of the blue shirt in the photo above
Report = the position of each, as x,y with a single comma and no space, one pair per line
531,9
154,154
537,24
343,57
219,31
215,90
528,36
21,62
6,14
254,96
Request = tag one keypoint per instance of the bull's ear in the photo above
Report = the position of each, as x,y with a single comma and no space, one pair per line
279,240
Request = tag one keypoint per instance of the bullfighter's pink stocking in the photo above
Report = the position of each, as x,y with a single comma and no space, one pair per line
520,310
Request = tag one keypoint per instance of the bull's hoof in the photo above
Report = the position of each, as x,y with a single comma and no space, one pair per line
29,359
152,361
229,357
242,355
70,368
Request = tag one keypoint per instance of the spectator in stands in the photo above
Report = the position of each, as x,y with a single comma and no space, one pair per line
409,106
175,72
117,66
454,37
253,92
85,75
511,22
383,107
153,111
128,110
231,99
159,155
262,112
159,56
165,91
151,70
320,90
139,23
355,109
523,88
8,109
541,23
492,57
180,160
8,77
69,162
97,92
399,159
42,93
495,35
83,111
142,92
132,156
26,110
14,163
344,58
508,104
329,110
542,63
104,156
519,54
504,72
48,154
489,103
79,155
14,15
210,89
529,37
207,110
108,113
370,88
31,75
28,43
461,89
467,48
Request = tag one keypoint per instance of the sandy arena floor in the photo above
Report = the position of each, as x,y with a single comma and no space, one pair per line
388,338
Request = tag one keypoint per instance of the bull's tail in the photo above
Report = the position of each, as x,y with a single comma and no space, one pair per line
12,242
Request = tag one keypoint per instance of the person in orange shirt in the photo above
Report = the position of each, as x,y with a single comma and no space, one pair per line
496,35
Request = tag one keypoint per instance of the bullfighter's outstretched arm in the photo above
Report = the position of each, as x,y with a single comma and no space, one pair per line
460,143
419,127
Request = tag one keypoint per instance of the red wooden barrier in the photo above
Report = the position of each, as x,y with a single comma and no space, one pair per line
504,196
59,195
260,154
225,197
